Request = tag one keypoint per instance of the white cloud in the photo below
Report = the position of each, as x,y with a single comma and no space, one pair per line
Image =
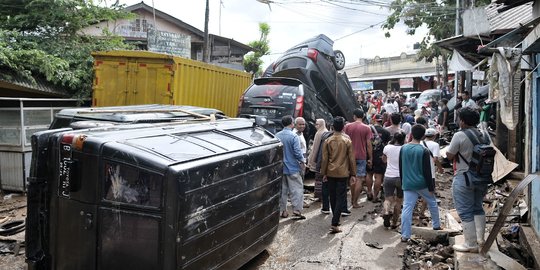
294,22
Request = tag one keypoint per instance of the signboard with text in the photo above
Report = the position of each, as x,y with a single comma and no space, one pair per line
167,42
406,83
361,86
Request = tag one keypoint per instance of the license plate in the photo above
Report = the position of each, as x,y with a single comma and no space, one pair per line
65,171
259,111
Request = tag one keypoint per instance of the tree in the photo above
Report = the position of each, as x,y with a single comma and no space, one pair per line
438,16
252,61
43,39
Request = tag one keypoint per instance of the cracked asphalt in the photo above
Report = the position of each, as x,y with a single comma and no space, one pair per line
307,244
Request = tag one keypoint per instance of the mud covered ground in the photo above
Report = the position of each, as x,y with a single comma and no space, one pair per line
12,208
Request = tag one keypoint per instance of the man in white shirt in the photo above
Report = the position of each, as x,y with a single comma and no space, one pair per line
468,102
299,127
434,150
390,106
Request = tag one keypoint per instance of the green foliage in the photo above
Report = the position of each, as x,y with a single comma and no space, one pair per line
438,16
42,39
252,61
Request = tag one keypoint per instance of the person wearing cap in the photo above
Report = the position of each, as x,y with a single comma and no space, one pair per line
375,172
434,149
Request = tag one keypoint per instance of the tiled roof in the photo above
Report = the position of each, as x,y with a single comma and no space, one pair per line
41,86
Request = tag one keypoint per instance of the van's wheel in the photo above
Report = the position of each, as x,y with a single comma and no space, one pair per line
339,60
12,227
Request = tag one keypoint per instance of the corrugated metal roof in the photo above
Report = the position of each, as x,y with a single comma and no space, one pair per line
509,19
40,86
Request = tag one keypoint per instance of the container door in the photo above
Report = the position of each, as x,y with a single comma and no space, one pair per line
110,82
75,233
150,82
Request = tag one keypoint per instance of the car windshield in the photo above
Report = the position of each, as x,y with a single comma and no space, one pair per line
427,97
273,89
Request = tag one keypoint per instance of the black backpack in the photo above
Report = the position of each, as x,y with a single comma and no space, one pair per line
376,141
483,156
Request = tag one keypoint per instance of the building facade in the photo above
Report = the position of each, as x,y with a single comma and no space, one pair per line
404,72
157,31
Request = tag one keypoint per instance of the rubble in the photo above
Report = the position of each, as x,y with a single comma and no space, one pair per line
431,249
423,254
12,242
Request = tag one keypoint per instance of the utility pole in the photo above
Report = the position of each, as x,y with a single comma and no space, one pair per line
458,32
206,53
220,6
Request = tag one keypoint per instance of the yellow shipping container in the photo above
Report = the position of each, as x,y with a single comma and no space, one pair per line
141,77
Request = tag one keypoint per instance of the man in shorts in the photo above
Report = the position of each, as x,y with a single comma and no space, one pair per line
393,194
375,172
360,135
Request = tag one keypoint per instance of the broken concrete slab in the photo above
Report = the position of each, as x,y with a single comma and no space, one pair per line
430,235
529,240
452,223
470,261
504,261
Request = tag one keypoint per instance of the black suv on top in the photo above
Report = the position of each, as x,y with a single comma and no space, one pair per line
275,97
316,65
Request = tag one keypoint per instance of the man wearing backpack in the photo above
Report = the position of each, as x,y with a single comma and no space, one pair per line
473,164
375,172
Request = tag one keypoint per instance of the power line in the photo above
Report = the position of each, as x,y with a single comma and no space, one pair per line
361,30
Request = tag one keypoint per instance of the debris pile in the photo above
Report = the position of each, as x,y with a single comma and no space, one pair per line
496,197
509,243
422,254
12,225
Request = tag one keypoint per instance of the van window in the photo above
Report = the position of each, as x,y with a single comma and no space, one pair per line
272,90
131,185
291,63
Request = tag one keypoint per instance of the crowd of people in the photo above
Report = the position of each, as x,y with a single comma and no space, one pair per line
394,153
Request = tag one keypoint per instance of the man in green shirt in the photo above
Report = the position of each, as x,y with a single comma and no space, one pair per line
416,180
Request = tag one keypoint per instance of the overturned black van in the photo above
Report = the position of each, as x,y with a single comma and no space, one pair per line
187,195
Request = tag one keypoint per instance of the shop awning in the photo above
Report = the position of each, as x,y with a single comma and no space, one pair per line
394,76
467,46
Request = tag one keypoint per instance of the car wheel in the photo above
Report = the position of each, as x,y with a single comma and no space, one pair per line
339,60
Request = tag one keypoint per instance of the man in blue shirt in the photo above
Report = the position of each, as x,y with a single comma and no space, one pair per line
293,165
416,179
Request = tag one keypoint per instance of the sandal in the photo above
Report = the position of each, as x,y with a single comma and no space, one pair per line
284,214
335,229
298,215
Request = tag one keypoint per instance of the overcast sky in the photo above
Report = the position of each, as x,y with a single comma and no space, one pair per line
347,22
